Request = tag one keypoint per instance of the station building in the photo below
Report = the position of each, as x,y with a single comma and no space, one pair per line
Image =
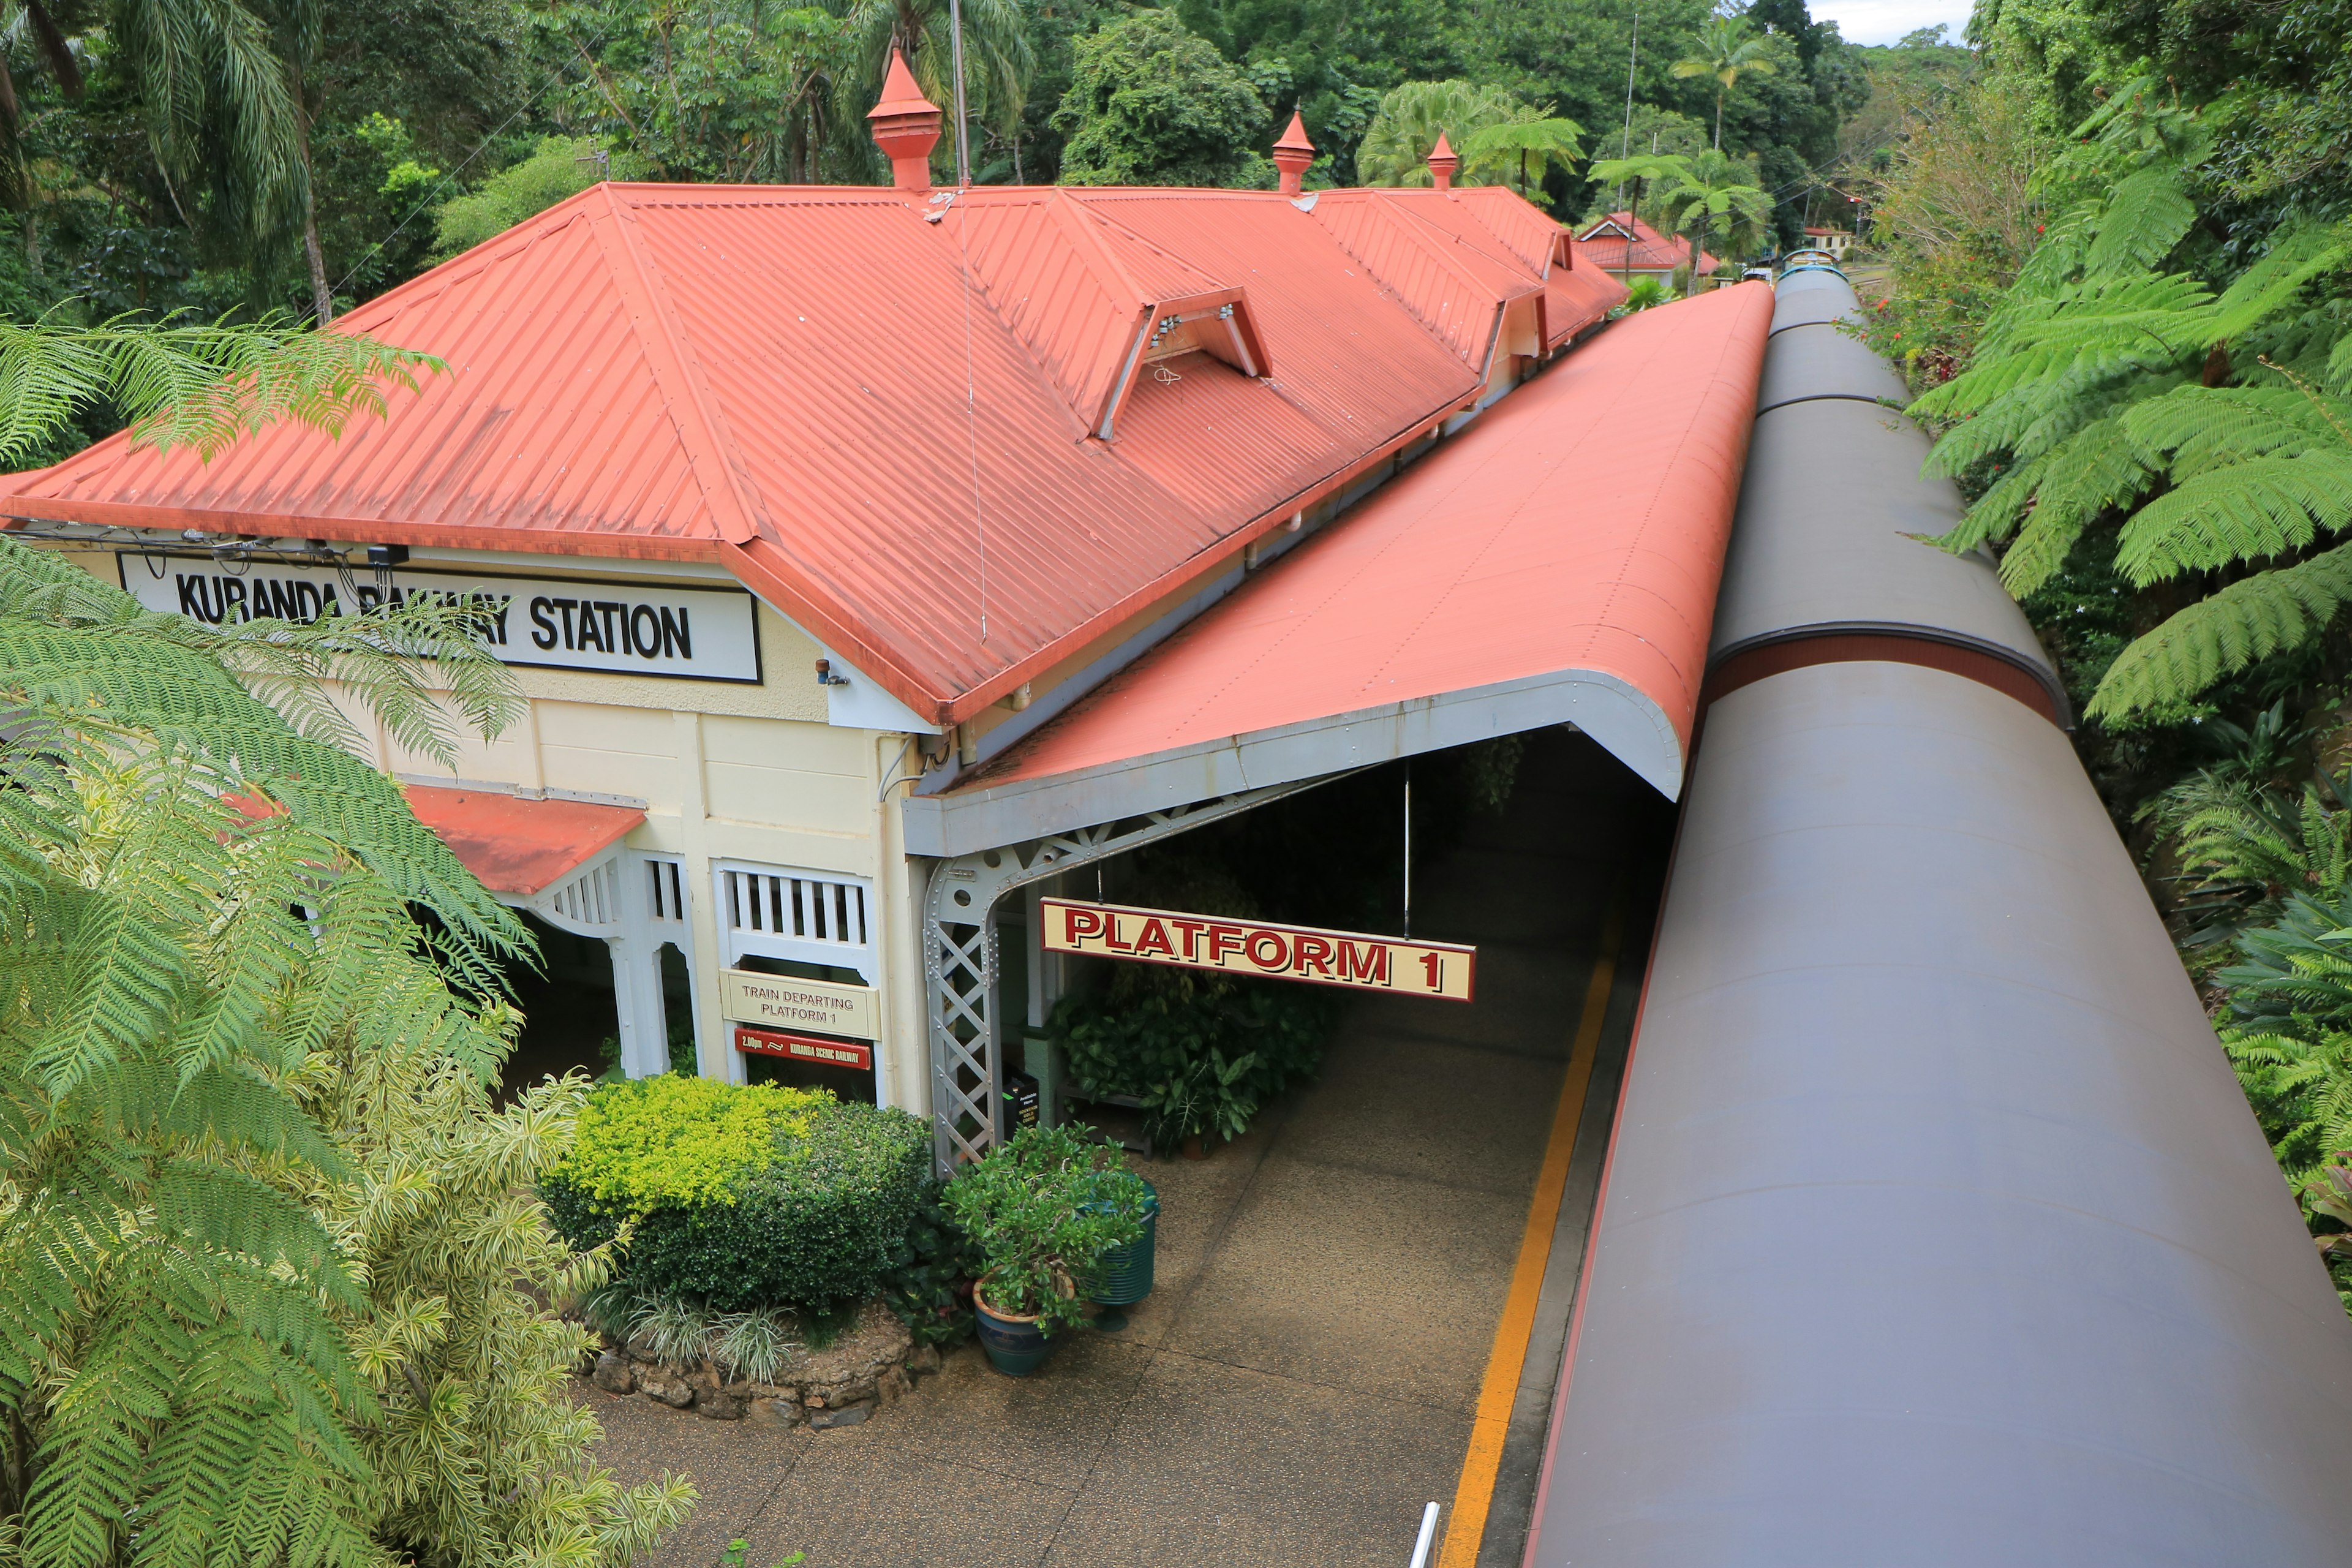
869,555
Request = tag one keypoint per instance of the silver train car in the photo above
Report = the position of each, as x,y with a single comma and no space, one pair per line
1935,1231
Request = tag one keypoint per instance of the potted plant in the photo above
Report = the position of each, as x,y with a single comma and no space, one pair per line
1041,1208
1210,1097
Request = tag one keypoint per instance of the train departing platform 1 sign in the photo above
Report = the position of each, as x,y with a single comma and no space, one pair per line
1256,947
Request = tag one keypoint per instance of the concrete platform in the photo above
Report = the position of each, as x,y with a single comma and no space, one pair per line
1303,1380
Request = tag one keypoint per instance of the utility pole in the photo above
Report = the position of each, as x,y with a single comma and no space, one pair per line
963,125
1625,146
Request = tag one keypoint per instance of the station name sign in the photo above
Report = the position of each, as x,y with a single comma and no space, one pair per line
779,1000
618,628
1254,947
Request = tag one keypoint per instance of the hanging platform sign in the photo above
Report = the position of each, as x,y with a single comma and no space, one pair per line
616,628
1353,958
800,1049
747,997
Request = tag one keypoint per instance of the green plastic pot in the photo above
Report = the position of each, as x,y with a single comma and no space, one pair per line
1015,1346
1122,1275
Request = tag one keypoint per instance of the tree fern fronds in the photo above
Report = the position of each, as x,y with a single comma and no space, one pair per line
2058,256
2339,366
2249,620
2096,468
2298,255
2195,428
1993,515
2143,218
2252,510
186,383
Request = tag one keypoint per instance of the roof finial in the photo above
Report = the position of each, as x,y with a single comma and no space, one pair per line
1293,154
1443,163
906,126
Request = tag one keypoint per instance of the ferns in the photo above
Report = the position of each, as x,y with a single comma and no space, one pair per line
2090,381
253,1195
189,383
2250,619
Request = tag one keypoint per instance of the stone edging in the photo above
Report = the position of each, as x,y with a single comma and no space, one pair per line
871,1367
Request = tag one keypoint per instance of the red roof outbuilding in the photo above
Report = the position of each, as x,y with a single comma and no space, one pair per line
1623,243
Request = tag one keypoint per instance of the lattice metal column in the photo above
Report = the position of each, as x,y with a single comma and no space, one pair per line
960,964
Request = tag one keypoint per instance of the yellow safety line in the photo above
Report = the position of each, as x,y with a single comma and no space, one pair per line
1475,1490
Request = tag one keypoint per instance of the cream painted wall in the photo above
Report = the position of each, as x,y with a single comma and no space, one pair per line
810,777
727,772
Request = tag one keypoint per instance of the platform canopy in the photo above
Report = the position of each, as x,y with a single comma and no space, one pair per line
1556,563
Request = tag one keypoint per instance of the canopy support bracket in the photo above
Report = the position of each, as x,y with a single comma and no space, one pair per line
959,960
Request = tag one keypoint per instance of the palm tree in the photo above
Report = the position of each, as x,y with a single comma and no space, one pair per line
1648,168
997,57
1553,143
1726,50
1397,143
1713,187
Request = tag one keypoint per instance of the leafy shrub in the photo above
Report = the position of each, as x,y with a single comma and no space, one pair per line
929,1283
1179,1040
1042,1208
743,1198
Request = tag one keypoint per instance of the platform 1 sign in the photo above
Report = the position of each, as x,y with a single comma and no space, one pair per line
1256,947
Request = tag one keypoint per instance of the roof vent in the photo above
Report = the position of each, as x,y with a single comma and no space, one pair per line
906,126
1441,162
1293,153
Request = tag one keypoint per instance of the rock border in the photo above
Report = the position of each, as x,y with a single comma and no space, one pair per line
869,1368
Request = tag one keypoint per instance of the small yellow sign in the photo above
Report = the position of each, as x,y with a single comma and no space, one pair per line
781,1000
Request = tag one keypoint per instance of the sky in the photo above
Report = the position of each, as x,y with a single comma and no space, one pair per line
1885,21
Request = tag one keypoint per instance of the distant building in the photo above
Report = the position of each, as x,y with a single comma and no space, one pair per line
1833,240
1624,246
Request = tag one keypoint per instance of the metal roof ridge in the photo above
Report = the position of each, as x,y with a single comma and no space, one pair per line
733,498
1462,275
1436,234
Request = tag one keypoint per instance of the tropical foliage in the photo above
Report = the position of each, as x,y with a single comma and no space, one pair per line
236,156
2118,266
742,1198
266,1289
1728,48
1040,1208
1152,104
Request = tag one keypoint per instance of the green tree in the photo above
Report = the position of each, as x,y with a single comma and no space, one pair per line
561,168
1551,143
1729,50
1396,145
2210,430
997,57
1713,190
1643,170
252,1301
1152,104
268,1290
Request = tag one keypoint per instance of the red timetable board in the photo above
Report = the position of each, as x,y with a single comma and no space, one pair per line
800,1047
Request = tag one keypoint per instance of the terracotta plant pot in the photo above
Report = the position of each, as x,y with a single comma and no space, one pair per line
1195,1147
1016,1346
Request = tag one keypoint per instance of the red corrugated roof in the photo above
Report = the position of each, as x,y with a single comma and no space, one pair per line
1580,526
1623,243
775,378
515,846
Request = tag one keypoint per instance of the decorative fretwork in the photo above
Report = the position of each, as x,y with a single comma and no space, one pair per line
960,964
636,904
